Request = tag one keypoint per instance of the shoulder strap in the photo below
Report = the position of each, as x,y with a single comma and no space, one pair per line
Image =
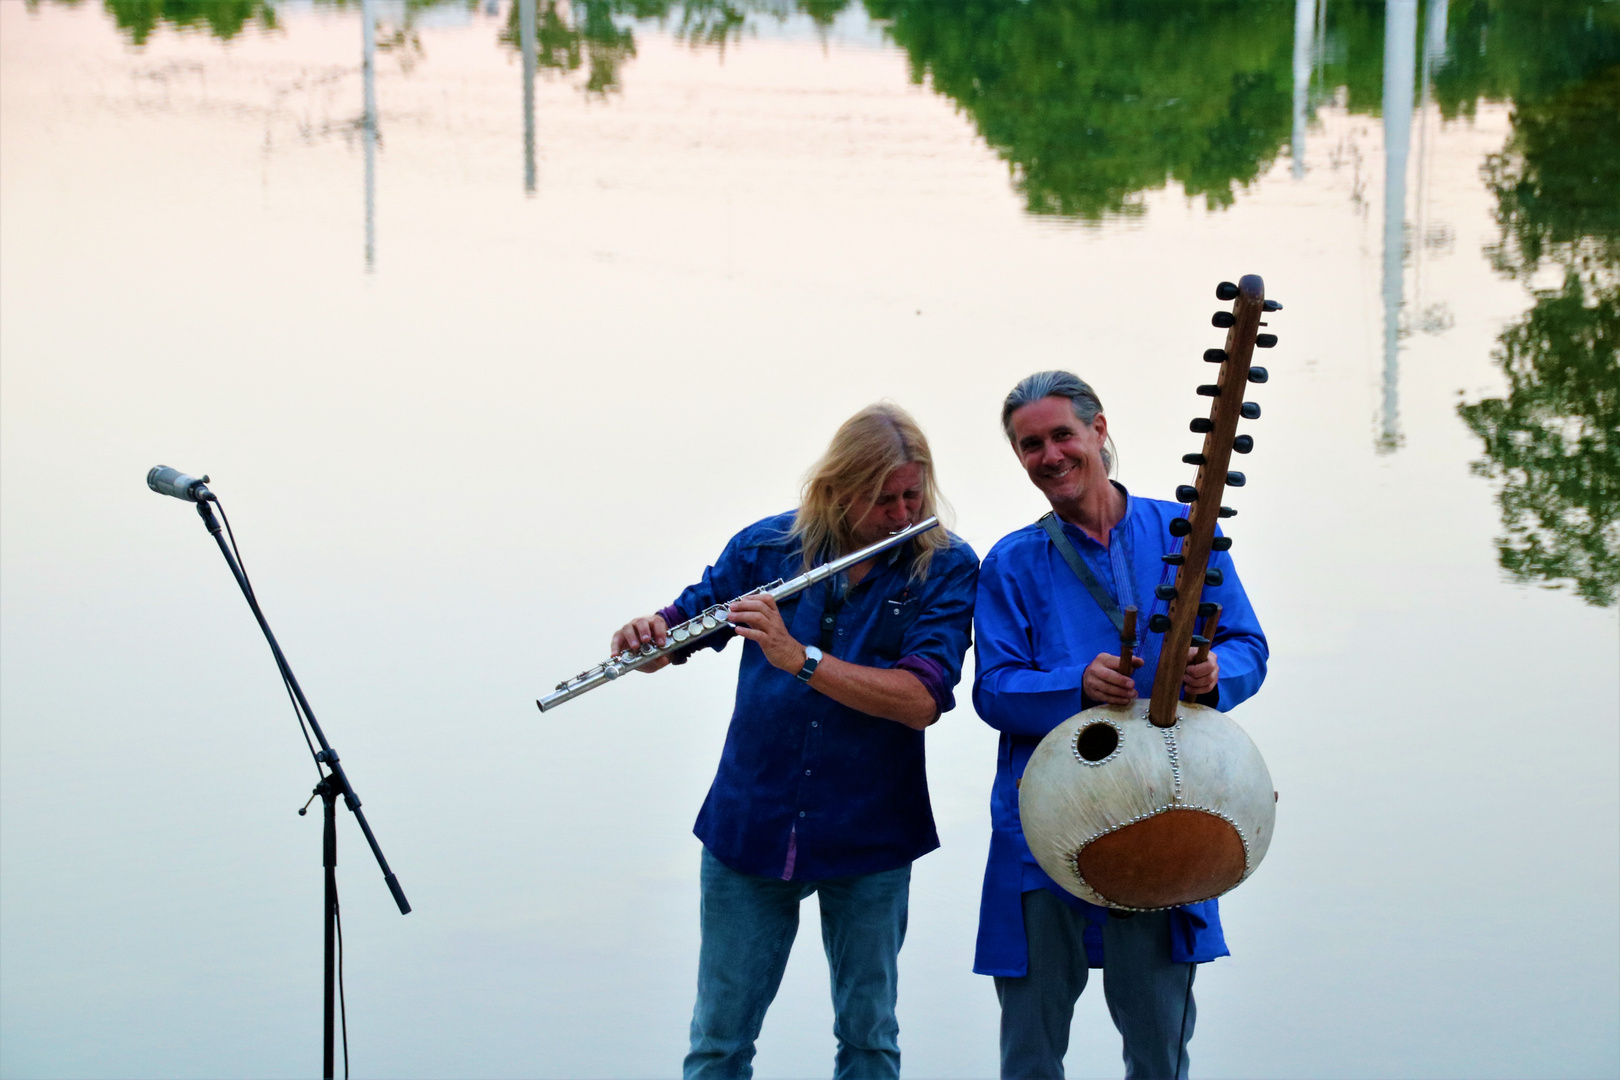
1110,607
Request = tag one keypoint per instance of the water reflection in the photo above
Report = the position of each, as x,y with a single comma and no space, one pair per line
1553,442
368,122
527,42
1092,104
222,18
1400,30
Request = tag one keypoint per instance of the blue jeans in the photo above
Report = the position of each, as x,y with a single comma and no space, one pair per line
748,928
1149,994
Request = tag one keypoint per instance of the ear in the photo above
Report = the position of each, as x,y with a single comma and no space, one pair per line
1099,424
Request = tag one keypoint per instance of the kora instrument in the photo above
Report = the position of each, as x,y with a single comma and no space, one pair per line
1166,802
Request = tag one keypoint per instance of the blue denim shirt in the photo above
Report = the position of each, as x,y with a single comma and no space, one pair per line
1037,629
808,788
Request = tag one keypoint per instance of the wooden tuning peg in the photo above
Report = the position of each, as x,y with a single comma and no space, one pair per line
1127,641
1226,291
1205,636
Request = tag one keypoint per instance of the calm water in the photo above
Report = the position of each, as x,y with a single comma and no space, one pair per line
485,354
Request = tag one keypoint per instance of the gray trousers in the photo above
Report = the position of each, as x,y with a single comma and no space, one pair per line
1149,995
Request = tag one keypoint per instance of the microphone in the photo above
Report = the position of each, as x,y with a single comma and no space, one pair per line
167,481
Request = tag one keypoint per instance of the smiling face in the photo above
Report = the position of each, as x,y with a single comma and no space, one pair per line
898,504
1063,456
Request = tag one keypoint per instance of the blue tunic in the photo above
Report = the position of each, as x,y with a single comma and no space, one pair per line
1037,629
807,788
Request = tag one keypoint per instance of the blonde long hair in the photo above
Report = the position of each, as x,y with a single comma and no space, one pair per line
864,453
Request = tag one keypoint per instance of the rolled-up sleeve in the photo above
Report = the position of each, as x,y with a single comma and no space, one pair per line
935,644
731,575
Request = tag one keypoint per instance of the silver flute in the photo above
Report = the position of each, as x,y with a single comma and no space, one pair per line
713,620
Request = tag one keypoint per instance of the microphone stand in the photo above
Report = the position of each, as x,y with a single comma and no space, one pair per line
334,783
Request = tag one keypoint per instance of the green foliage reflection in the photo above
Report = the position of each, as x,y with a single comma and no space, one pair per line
222,18
599,34
225,19
1554,440
1092,102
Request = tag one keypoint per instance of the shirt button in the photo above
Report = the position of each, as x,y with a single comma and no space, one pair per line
815,723
807,772
801,813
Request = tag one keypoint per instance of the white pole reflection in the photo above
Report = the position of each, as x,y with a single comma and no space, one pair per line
1304,39
368,122
526,39
1400,70
1434,57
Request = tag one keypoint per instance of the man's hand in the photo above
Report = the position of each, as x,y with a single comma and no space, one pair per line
638,632
757,619
1201,678
1103,682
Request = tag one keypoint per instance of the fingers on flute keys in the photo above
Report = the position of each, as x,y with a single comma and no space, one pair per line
650,629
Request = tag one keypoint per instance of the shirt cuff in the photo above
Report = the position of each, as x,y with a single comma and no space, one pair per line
932,675
671,616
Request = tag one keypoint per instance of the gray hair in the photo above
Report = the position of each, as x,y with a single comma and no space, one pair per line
1045,384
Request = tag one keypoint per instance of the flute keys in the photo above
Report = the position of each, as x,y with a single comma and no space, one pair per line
680,633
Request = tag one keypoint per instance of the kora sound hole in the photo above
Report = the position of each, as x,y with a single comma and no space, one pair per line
1096,742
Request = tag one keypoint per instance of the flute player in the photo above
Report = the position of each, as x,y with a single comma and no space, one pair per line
821,785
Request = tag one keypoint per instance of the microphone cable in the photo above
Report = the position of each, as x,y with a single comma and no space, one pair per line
343,1009
303,723
303,726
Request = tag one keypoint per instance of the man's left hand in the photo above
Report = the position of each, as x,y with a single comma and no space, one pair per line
1201,678
757,619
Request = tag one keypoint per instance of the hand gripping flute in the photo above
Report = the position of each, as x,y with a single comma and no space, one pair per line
713,620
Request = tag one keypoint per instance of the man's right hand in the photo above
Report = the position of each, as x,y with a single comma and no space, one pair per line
638,632
1103,682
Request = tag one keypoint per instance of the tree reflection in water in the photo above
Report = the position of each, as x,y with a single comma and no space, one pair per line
1093,102
1554,441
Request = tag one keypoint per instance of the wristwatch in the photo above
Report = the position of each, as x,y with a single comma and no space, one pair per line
812,657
